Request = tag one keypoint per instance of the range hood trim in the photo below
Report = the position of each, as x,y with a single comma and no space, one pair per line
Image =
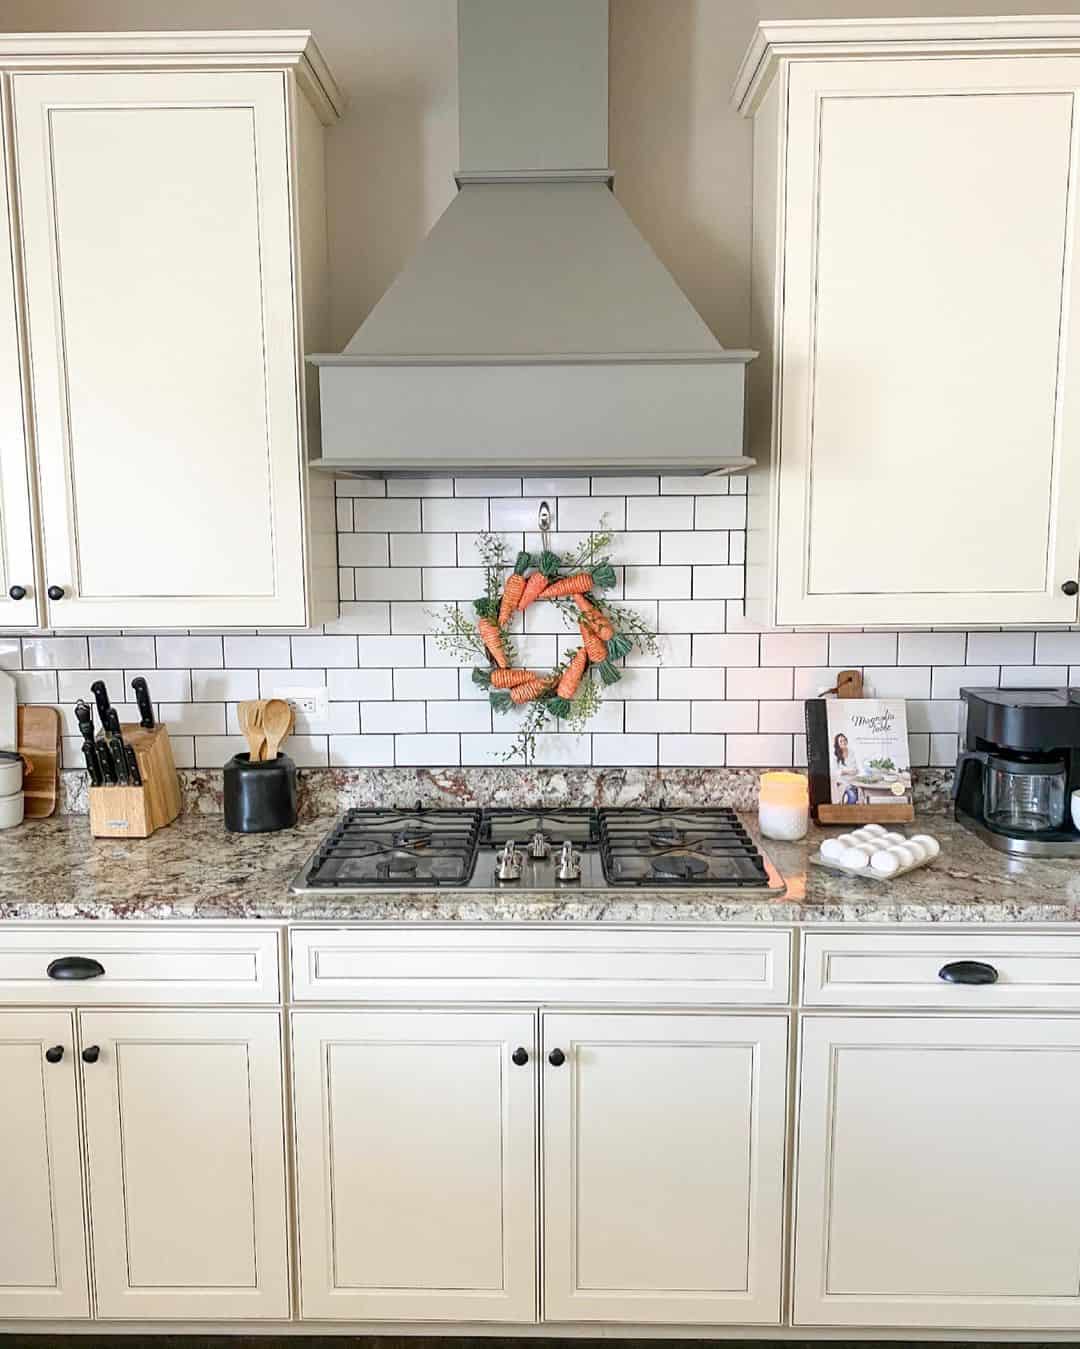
722,356
375,467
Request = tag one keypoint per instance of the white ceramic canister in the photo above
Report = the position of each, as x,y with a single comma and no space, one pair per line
11,810
11,772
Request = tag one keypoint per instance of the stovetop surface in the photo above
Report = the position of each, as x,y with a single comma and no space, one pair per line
611,848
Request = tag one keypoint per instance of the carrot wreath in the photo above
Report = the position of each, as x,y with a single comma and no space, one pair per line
595,618
581,583
492,639
533,686
501,679
512,591
547,566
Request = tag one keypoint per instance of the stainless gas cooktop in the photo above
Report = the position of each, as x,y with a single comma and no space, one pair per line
611,848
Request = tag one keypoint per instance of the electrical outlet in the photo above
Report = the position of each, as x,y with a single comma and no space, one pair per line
310,704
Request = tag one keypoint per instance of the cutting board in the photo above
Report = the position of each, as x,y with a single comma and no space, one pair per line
39,744
8,701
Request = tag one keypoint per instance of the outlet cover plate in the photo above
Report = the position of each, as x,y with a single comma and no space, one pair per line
311,703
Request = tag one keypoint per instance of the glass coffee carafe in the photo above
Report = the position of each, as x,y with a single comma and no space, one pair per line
1024,794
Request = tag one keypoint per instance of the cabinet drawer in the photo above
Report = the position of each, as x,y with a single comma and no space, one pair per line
898,970
192,965
498,965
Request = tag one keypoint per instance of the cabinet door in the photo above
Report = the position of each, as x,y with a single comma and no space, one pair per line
159,278
929,455
42,1233
185,1145
16,536
938,1173
416,1170
664,1142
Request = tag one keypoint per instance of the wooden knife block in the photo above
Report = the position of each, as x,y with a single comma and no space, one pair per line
135,812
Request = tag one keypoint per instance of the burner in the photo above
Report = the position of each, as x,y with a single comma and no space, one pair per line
665,836
411,838
679,866
396,868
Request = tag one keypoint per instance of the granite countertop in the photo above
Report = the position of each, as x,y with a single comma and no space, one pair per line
53,869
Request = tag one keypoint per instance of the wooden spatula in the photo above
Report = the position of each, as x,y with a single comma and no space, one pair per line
250,716
276,723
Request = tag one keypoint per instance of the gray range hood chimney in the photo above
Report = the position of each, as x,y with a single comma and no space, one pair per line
535,329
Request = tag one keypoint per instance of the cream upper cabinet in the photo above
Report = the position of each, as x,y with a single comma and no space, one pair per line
916,417
42,1234
168,220
19,601
416,1165
186,1164
938,1174
664,1153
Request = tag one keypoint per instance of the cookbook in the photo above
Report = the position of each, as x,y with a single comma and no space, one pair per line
857,754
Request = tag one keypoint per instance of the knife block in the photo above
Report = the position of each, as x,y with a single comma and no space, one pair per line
136,812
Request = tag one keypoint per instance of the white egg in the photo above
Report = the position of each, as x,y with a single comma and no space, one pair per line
875,830
893,838
921,854
884,862
932,846
846,839
832,849
855,858
868,846
861,835
903,854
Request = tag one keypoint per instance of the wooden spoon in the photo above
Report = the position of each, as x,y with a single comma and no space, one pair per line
276,723
250,715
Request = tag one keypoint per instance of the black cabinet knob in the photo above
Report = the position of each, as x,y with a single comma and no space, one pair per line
55,1054
17,592
55,592
520,1057
1071,588
91,1054
968,972
75,967
556,1058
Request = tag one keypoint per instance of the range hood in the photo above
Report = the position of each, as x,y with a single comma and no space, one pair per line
534,330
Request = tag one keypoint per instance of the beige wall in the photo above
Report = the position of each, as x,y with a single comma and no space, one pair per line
681,156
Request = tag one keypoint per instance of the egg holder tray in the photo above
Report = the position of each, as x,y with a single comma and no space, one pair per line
864,873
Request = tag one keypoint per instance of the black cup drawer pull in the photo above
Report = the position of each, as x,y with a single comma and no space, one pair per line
91,1054
75,967
968,972
55,1054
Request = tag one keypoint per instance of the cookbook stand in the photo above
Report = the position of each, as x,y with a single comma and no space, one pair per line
136,812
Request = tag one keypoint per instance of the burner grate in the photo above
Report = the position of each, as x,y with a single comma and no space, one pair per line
679,848
398,847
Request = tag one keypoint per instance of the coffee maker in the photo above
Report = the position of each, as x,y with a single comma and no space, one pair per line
1016,775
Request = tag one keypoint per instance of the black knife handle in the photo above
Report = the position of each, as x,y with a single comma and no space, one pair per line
142,698
85,718
117,750
108,769
93,764
134,776
112,722
101,697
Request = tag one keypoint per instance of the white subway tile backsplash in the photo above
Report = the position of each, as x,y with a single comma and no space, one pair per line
855,649
447,517
407,554
999,648
381,517
692,751
708,546
364,550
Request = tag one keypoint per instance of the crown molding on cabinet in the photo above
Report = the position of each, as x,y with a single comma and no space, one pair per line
795,39
260,49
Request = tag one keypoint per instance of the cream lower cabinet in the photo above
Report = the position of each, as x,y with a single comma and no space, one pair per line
43,1273
938,1172
185,1141
416,1164
664,1158
916,411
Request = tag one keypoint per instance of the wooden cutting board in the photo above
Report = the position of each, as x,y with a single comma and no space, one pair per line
39,744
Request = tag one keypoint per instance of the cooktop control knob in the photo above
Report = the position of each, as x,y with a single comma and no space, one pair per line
508,867
568,867
539,848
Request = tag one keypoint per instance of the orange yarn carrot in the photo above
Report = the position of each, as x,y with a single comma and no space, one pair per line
595,618
534,588
508,679
569,585
529,691
571,678
595,648
492,639
512,591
